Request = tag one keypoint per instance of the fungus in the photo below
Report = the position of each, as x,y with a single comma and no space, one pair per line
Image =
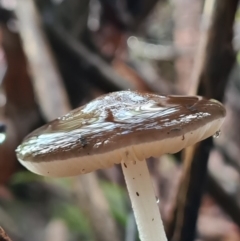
124,128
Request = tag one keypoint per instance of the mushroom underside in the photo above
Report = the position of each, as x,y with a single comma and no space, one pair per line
81,165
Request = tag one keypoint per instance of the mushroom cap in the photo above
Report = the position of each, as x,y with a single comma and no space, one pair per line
124,125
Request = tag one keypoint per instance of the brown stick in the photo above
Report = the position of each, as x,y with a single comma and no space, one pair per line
53,101
96,65
186,35
92,200
3,235
213,79
227,201
46,79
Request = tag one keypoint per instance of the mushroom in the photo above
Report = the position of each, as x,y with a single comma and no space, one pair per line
122,127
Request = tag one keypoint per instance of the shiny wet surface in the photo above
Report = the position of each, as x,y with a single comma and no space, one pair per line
116,120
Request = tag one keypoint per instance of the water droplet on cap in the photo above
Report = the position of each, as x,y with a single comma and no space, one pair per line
157,199
217,134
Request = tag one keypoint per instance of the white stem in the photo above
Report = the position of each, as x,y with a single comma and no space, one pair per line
144,204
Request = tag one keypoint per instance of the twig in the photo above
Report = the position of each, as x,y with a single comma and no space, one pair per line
186,34
201,53
3,235
45,77
56,230
92,200
228,202
228,159
18,111
101,72
213,76
147,7
221,56
7,221
53,101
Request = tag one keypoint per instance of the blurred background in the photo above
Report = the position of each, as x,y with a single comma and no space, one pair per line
56,55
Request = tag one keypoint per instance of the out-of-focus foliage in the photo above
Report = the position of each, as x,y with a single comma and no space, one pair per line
117,198
74,218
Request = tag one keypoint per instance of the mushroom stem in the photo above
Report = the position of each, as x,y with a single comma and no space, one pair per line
144,204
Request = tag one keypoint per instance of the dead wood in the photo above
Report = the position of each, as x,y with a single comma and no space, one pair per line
53,101
213,78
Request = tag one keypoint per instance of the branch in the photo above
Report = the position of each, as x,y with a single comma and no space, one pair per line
101,72
213,76
3,235
46,79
